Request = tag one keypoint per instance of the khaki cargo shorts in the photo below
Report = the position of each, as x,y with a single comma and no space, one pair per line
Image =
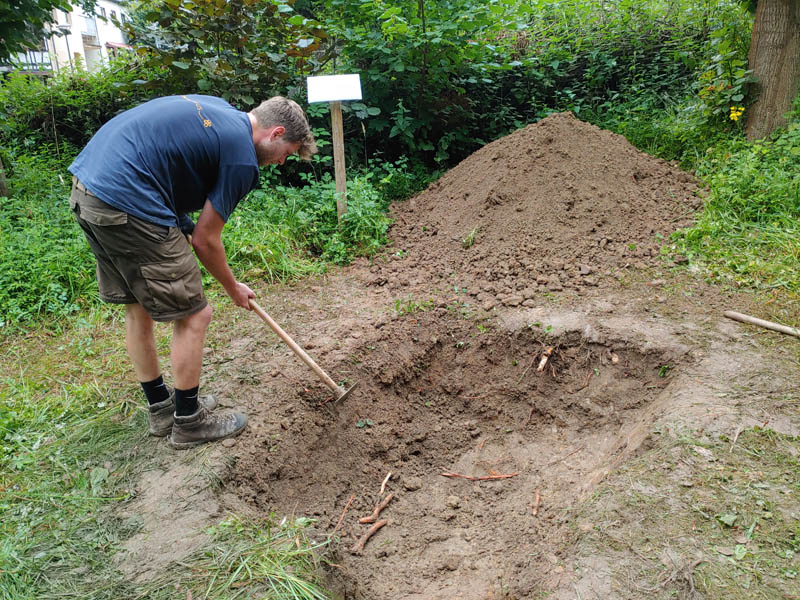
137,261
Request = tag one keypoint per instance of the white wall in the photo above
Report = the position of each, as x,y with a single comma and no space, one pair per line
87,38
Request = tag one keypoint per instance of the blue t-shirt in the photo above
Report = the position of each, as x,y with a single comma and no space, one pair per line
162,159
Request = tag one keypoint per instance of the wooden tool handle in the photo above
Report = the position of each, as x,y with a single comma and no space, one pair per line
762,323
295,348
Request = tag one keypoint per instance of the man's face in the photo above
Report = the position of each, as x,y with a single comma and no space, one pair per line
274,150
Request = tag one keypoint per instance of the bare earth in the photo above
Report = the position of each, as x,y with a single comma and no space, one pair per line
548,237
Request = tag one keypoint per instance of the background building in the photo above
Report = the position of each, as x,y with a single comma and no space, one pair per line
78,39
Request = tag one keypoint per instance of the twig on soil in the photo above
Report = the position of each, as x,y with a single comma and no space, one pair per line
738,432
536,501
344,512
385,481
558,460
358,547
585,383
684,578
521,377
530,416
480,478
377,510
545,357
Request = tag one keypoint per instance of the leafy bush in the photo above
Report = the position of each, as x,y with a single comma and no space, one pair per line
46,266
72,105
448,77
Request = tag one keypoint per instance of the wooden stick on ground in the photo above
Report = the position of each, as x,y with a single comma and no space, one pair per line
762,323
545,357
358,547
344,512
385,481
481,478
536,501
381,505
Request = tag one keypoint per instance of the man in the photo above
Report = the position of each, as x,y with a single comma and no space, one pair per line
133,187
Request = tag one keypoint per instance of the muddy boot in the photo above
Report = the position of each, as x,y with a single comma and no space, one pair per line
161,413
204,426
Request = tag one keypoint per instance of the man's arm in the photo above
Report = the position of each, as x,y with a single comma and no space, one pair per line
207,243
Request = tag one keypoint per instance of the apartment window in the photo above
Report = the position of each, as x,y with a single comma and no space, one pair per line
102,12
123,17
113,14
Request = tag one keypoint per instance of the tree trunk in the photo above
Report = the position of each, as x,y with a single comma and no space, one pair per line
775,61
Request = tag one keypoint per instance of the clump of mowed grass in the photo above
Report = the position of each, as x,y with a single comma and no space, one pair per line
270,558
748,232
719,515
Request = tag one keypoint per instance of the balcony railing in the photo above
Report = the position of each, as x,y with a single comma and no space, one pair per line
89,27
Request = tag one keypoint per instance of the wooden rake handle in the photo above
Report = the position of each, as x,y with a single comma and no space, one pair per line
296,349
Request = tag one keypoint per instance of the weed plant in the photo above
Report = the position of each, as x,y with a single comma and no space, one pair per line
748,232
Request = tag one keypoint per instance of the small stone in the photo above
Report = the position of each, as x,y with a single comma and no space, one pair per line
680,259
453,501
657,282
585,270
412,484
229,443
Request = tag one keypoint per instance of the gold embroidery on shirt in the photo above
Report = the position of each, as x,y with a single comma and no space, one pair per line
205,121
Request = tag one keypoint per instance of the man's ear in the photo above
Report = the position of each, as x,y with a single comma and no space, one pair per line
277,132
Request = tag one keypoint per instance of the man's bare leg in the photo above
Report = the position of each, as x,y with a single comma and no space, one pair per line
187,348
141,342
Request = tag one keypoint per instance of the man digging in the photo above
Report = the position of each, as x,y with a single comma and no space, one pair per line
134,184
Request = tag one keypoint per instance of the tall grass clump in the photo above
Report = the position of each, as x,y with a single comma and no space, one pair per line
748,232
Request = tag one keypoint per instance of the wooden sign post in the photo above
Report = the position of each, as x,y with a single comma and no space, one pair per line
334,89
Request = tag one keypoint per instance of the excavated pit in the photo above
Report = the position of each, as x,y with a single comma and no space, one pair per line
443,394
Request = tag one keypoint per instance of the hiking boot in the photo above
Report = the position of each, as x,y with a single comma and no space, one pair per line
204,426
161,413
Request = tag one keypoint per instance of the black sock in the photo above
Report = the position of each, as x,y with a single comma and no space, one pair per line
155,391
186,401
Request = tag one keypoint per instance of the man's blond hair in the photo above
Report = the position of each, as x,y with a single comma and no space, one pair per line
287,113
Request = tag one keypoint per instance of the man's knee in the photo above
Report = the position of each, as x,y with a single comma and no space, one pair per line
198,321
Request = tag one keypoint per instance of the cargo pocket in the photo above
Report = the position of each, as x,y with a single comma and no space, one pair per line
173,285
95,211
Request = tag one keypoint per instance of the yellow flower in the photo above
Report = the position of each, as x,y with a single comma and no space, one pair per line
736,112
207,123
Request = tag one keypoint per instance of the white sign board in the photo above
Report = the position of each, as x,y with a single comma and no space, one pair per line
332,88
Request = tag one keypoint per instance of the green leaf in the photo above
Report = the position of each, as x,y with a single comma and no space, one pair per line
297,20
180,64
727,519
204,84
739,552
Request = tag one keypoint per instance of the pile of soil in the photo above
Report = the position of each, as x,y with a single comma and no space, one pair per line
560,204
